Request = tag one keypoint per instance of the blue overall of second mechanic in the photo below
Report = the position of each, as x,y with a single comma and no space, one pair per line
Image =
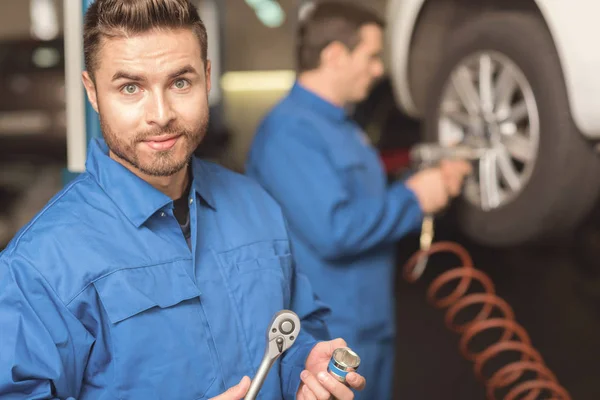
344,218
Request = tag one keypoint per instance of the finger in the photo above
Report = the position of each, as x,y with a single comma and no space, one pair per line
307,394
454,186
443,199
314,385
446,167
448,173
336,388
453,182
463,168
336,344
356,381
456,167
236,392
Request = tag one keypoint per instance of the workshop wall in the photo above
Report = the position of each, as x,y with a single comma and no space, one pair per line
15,19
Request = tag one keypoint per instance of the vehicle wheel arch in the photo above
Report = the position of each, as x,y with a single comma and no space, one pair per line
435,21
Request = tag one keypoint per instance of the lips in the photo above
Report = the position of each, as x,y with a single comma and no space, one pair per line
162,143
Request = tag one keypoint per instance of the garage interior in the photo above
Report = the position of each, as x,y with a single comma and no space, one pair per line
553,288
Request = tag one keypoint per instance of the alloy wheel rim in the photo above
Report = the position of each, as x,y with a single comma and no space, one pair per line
488,102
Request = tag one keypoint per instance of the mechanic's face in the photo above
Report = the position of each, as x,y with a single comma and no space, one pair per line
151,93
365,64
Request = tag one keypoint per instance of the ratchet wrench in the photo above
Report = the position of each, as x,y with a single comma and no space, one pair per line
281,335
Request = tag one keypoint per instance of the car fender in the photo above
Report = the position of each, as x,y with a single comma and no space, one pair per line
573,28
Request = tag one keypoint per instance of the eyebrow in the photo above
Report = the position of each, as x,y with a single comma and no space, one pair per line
125,75
188,69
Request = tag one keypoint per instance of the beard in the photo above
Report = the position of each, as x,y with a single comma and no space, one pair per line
160,163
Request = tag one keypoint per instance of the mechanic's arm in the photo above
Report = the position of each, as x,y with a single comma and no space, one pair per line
300,176
43,347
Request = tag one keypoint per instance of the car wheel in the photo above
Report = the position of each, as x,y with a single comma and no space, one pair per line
500,86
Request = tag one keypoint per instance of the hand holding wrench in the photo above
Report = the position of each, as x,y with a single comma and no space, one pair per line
282,333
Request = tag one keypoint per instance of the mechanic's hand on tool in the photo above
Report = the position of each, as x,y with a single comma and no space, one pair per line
454,173
318,384
236,392
429,187
434,187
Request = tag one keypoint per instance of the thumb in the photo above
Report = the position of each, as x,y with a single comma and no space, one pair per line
337,343
236,392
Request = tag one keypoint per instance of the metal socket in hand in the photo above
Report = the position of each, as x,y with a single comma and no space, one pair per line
343,361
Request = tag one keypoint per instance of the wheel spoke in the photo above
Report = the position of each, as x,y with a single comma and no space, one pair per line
486,89
489,185
462,81
507,169
518,112
519,147
454,114
506,86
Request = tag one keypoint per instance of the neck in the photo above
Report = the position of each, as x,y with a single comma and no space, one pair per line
322,85
173,186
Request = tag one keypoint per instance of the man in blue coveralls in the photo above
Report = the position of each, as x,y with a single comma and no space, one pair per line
344,219
154,275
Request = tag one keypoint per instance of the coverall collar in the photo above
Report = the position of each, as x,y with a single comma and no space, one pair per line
136,198
311,99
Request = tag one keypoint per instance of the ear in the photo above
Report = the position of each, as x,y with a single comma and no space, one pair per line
335,54
90,89
207,75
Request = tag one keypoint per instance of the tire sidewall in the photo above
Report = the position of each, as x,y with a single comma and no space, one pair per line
520,220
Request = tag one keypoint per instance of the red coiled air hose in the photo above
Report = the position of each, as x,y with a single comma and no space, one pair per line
513,339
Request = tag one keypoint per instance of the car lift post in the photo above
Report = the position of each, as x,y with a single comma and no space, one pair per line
82,121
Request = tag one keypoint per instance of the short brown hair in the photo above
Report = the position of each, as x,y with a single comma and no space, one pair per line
120,18
328,22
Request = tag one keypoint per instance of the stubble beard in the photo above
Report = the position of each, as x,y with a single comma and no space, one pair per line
164,163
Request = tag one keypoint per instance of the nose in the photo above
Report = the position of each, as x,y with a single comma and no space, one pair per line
159,110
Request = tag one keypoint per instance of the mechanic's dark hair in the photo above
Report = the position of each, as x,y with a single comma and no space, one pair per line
330,21
122,18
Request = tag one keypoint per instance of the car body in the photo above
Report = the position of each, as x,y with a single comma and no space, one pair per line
573,25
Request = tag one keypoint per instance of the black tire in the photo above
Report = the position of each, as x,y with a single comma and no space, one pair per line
565,181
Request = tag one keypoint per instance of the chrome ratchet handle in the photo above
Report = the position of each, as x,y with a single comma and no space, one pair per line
281,335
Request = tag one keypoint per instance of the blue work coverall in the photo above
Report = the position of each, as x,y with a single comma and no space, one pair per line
344,221
101,297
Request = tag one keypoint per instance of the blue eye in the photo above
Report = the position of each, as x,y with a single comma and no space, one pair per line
181,83
130,89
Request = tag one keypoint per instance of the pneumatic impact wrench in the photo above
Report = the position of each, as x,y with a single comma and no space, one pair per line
425,155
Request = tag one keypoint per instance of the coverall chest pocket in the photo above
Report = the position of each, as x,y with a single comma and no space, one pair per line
259,287
158,333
